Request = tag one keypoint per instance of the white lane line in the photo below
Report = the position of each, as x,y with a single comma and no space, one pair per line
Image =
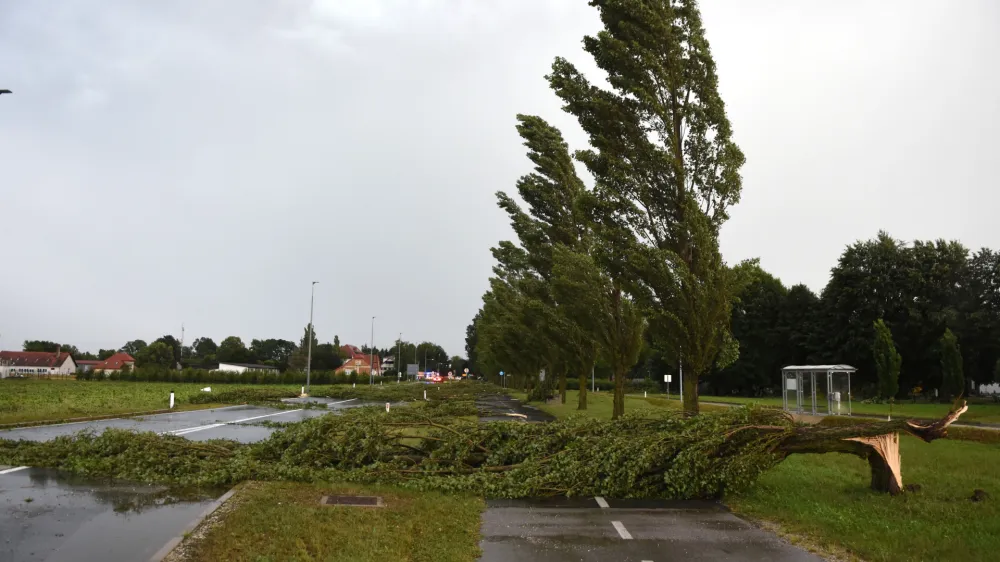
622,531
601,502
212,426
341,402
15,469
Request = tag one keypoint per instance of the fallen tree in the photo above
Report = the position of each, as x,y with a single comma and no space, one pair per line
440,445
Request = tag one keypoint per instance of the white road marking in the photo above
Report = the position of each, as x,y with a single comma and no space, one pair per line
341,402
601,502
622,531
44,425
187,430
15,469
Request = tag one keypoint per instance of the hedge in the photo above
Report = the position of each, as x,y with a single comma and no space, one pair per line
163,374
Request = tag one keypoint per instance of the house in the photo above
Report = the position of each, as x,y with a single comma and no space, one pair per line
388,364
360,364
36,363
244,367
85,365
351,351
114,363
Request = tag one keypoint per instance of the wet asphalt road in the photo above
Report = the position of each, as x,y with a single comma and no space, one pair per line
582,530
234,422
47,516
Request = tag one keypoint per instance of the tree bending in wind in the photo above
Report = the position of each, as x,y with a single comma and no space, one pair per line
666,172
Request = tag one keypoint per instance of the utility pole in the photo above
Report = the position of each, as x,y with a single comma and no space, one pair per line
680,371
309,357
399,357
182,348
371,357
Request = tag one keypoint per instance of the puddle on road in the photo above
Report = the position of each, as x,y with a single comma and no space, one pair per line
49,516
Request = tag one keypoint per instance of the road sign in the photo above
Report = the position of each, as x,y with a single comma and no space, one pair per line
412,369
467,370
667,378
501,373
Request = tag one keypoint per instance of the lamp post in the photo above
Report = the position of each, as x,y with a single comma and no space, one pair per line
399,357
309,357
371,357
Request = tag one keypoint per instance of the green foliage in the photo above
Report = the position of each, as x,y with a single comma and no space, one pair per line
157,353
666,172
952,378
232,350
887,361
50,347
666,456
133,347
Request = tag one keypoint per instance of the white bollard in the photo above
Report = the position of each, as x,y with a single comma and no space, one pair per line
303,391
387,407
643,393
425,394
354,385
171,399
207,389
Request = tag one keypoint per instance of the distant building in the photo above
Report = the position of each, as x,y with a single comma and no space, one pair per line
115,363
359,364
351,351
85,365
244,367
388,364
35,363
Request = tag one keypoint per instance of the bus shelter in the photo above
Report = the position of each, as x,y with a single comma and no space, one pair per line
817,389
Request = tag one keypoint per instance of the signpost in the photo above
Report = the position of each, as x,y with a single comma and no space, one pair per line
411,370
666,379
503,381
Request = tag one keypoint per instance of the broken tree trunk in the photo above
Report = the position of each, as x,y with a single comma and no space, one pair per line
877,442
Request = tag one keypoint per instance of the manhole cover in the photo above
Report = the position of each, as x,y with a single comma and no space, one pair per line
357,501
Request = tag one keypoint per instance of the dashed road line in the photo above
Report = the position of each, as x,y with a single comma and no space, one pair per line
622,531
15,469
601,502
188,430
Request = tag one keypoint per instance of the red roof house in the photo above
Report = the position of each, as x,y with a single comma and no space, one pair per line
115,363
24,363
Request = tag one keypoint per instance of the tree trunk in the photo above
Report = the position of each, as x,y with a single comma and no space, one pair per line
581,403
691,395
619,399
878,443
563,371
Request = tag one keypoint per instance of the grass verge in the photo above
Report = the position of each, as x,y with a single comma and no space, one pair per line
284,521
823,498
979,412
600,406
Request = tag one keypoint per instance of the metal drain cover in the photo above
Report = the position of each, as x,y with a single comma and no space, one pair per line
356,501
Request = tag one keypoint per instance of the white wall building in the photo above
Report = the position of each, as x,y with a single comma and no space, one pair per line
35,364
244,367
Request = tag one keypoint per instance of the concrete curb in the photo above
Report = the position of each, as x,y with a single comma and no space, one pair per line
172,544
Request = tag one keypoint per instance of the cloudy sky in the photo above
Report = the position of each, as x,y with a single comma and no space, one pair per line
201,161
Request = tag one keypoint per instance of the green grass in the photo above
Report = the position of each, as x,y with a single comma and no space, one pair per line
978,412
32,400
826,499
599,405
283,521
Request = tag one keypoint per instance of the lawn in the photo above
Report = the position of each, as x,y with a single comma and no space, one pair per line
274,521
599,405
826,499
31,400
978,412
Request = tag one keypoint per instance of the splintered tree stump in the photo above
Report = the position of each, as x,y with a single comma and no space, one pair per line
876,442
884,461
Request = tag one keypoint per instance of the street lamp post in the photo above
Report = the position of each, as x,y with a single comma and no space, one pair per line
399,357
309,357
371,357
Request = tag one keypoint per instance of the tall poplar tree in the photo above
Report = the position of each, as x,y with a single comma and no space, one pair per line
666,172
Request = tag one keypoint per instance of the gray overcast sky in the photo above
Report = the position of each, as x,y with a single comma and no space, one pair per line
201,161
